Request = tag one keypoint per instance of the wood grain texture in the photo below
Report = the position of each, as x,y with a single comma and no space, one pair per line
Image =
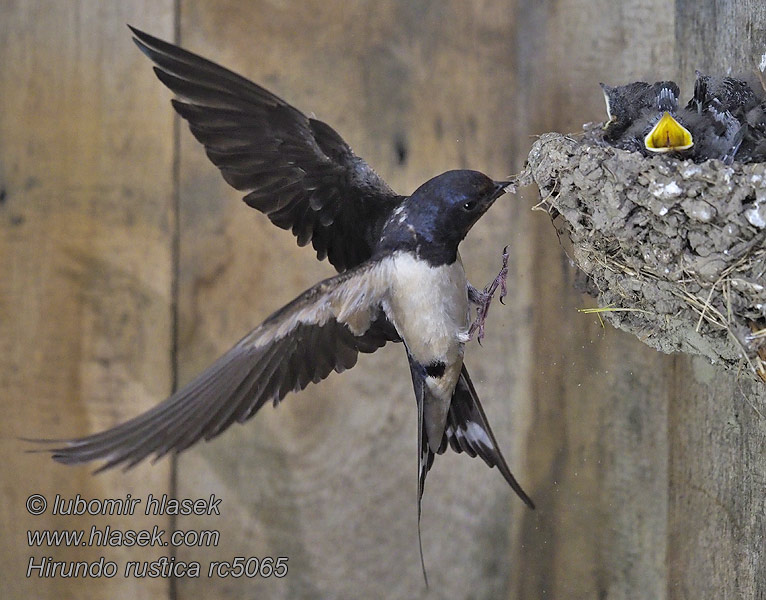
717,505
719,36
85,269
597,447
717,466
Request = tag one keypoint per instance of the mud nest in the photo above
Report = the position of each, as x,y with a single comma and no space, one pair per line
674,252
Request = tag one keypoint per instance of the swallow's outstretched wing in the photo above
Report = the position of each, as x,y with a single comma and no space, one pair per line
295,169
322,330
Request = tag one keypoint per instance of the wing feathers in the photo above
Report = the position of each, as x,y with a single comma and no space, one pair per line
322,330
296,170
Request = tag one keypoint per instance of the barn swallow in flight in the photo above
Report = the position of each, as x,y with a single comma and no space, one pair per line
724,120
400,277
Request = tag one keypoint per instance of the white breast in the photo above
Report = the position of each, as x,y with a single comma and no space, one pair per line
429,307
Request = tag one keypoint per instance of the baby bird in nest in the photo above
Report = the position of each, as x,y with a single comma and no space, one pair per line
725,119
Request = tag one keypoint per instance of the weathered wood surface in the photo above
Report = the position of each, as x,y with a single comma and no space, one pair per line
85,269
717,430
597,447
648,470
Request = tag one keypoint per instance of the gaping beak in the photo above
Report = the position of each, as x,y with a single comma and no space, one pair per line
501,187
668,135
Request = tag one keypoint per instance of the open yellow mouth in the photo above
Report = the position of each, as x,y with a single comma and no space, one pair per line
667,135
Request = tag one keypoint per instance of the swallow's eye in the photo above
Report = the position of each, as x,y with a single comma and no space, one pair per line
469,206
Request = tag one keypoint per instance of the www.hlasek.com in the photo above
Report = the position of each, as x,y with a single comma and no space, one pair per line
111,537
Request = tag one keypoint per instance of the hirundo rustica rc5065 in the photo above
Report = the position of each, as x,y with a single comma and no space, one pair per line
400,277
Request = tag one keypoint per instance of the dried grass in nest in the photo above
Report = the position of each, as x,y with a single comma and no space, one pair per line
674,252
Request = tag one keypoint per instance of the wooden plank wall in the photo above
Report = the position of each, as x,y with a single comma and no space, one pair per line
86,225
717,430
648,470
598,432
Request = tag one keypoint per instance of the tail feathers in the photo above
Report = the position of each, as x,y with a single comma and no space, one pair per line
468,431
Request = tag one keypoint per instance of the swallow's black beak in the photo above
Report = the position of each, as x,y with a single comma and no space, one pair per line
500,188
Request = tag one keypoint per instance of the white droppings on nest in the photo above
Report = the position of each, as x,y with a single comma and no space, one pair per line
665,191
689,170
699,210
762,64
756,215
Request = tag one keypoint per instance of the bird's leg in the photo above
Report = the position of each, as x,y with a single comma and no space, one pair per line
483,298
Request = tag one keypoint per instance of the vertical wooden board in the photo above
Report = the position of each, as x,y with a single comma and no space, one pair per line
85,271
597,441
720,36
717,512
717,523
329,479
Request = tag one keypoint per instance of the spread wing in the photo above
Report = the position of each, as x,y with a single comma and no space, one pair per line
322,330
296,170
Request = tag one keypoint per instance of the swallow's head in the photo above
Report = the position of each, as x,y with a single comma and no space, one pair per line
439,214
452,202
624,103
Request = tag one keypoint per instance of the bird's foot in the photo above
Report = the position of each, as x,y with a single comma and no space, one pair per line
484,298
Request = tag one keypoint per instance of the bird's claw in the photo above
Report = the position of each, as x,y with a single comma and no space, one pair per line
484,299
